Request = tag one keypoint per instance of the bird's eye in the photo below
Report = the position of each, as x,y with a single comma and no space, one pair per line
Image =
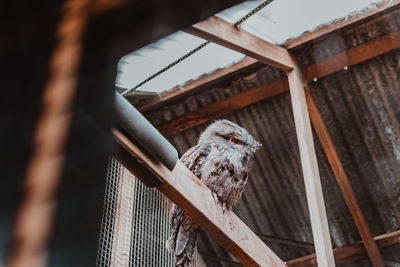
233,140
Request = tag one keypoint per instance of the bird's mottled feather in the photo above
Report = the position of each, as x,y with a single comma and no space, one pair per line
220,160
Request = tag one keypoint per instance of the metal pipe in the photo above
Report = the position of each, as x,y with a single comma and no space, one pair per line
135,166
144,133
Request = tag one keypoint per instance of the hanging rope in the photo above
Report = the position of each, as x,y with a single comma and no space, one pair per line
237,24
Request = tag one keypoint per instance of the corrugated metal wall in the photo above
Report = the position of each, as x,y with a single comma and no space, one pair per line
360,108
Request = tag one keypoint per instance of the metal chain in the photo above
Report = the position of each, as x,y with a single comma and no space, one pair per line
237,24
167,67
251,13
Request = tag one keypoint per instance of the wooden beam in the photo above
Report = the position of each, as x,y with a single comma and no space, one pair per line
285,241
365,51
195,199
351,252
36,212
220,259
343,181
225,106
381,9
101,7
191,86
123,216
353,56
312,181
322,32
221,32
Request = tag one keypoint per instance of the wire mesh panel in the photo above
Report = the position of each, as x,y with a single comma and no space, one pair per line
150,228
135,224
107,225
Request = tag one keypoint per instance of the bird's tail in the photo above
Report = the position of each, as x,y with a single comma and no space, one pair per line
182,244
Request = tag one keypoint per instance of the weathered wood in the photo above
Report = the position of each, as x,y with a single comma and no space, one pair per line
322,32
351,252
381,8
285,241
312,181
367,51
195,199
221,32
352,56
121,238
343,181
100,7
191,86
34,218
225,106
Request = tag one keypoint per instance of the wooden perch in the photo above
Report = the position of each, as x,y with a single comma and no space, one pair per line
195,199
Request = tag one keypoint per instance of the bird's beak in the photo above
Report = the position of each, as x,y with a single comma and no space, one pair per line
253,147
256,146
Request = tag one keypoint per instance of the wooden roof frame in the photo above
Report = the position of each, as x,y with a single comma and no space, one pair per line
353,252
217,30
292,44
329,65
309,165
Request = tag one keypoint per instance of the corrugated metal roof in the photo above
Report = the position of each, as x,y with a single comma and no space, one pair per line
285,19
361,111
141,64
279,21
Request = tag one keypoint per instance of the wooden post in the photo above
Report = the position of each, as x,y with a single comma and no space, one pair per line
343,181
34,219
315,198
123,219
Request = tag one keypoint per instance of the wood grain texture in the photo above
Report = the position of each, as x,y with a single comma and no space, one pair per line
195,199
343,181
36,213
351,252
225,106
312,181
221,32
122,230
381,8
104,6
193,85
335,63
352,56
312,71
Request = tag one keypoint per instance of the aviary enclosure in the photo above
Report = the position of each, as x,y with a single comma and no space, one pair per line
93,168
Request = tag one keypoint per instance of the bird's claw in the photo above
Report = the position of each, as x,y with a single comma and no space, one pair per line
215,198
223,207
223,204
